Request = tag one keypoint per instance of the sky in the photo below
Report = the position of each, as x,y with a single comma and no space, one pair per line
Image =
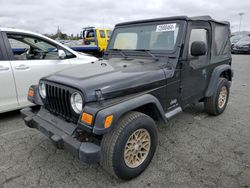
44,16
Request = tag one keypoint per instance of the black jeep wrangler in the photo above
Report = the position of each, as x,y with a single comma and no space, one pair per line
105,111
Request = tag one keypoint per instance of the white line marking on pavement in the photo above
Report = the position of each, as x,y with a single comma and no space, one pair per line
15,131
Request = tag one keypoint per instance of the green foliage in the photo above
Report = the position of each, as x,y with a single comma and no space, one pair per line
63,36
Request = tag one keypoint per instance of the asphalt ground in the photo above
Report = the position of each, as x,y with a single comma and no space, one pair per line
194,150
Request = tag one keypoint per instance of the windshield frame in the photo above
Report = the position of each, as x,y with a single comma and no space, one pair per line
178,42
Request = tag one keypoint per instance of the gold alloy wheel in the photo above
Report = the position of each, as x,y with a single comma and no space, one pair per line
137,148
222,97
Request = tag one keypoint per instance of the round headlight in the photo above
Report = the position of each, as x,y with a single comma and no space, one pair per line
76,102
42,90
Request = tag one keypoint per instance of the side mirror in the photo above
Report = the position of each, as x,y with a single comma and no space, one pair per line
198,48
61,54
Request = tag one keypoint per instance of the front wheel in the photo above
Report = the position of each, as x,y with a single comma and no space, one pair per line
128,149
217,103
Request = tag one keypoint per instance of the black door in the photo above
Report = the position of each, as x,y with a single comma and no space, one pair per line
194,70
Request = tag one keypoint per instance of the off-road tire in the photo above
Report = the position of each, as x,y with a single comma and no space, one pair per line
211,104
113,145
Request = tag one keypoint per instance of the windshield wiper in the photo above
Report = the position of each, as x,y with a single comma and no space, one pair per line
149,53
120,51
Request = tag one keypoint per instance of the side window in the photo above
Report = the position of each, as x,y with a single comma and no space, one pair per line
17,44
102,33
26,47
198,35
109,33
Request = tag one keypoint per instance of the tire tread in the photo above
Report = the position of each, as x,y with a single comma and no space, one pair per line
210,102
109,141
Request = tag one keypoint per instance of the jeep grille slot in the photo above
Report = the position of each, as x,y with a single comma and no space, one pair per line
58,101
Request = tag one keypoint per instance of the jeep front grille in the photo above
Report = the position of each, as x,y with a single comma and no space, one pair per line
58,101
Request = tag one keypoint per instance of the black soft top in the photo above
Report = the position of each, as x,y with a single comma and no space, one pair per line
197,18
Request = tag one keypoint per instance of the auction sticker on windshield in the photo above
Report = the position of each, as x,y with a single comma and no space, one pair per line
166,27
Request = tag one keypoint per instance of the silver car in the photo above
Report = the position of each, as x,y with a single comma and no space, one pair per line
242,46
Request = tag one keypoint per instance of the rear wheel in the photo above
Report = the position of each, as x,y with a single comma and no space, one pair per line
128,149
217,103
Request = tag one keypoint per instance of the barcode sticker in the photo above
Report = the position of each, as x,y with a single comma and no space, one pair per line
165,27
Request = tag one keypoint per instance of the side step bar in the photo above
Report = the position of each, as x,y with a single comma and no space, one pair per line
173,112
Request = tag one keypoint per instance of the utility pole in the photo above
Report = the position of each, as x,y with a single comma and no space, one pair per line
240,14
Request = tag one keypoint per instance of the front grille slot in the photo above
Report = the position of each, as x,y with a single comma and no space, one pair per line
58,101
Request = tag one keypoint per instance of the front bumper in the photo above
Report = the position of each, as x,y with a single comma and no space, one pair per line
240,49
60,133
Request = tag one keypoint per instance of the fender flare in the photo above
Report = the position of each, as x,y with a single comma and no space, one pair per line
215,77
122,108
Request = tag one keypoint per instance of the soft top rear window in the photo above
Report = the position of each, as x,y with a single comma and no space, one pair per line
221,42
221,39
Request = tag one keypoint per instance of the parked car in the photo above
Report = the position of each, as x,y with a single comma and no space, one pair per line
152,70
242,46
25,57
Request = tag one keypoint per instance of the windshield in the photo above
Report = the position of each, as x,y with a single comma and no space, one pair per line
244,39
235,39
147,37
90,33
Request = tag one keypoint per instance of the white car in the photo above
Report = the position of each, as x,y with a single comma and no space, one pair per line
25,57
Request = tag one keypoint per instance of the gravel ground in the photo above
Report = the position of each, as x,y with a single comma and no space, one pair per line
195,150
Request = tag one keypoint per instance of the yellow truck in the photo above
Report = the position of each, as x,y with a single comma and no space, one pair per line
96,36
95,39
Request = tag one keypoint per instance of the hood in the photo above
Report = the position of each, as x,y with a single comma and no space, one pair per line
114,77
88,57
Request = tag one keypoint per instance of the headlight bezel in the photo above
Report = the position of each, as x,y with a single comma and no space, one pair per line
76,108
42,90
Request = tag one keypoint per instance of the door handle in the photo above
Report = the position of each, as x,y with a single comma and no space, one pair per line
22,67
4,68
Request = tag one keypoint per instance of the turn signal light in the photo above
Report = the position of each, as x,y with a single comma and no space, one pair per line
108,121
31,92
87,118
